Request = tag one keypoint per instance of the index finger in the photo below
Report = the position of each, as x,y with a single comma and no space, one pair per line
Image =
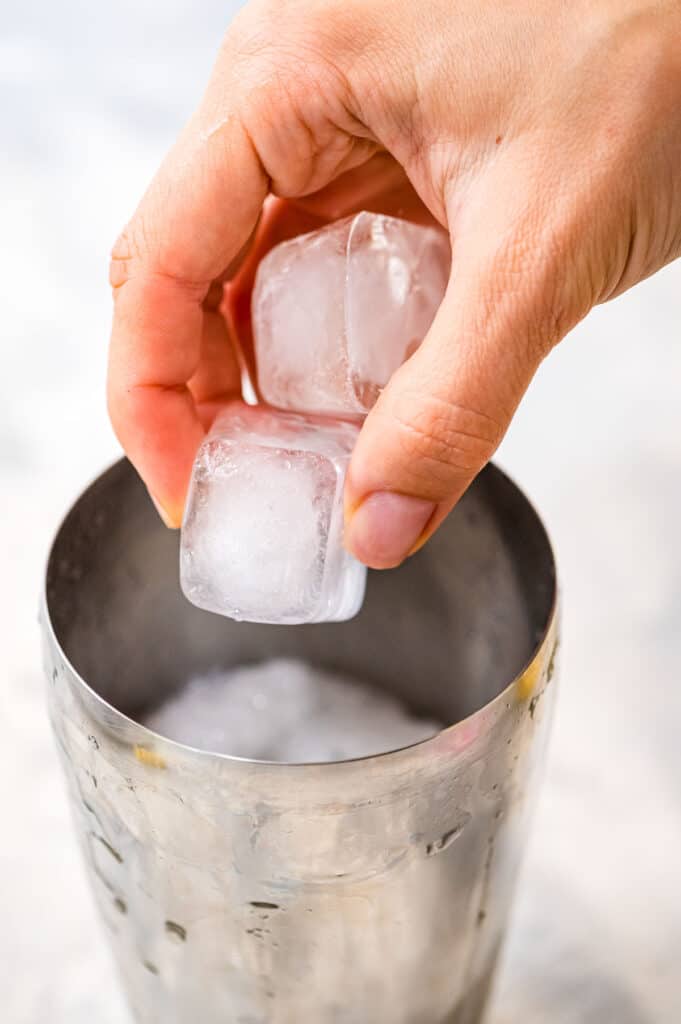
195,217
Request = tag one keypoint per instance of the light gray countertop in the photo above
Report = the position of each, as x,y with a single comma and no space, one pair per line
90,98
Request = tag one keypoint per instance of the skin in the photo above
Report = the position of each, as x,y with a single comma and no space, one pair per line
544,136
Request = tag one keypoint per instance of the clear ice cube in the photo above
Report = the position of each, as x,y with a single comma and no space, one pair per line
337,311
262,538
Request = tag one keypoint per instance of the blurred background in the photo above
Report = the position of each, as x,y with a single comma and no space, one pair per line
91,95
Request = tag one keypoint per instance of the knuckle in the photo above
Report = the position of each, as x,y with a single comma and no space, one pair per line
152,261
529,294
123,256
292,50
300,122
134,249
442,440
282,33
292,65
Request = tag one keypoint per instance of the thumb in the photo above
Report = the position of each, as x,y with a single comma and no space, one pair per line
445,411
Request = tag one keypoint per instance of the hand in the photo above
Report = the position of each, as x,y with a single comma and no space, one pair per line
546,138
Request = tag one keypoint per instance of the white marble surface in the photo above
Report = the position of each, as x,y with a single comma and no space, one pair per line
90,96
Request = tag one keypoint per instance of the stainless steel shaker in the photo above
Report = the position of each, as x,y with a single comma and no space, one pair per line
373,891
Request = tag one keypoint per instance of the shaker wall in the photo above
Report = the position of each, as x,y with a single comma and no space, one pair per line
367,891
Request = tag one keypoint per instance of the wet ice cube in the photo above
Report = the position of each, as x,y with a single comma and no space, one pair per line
262,536
337,311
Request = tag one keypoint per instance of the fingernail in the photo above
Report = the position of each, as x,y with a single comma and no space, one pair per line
165,516
386,527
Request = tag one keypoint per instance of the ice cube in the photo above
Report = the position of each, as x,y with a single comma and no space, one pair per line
337,311
286,710
262,538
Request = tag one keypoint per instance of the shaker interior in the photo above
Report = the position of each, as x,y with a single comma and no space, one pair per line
446,632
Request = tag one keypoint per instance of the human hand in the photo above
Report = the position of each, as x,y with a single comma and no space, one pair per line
545,137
